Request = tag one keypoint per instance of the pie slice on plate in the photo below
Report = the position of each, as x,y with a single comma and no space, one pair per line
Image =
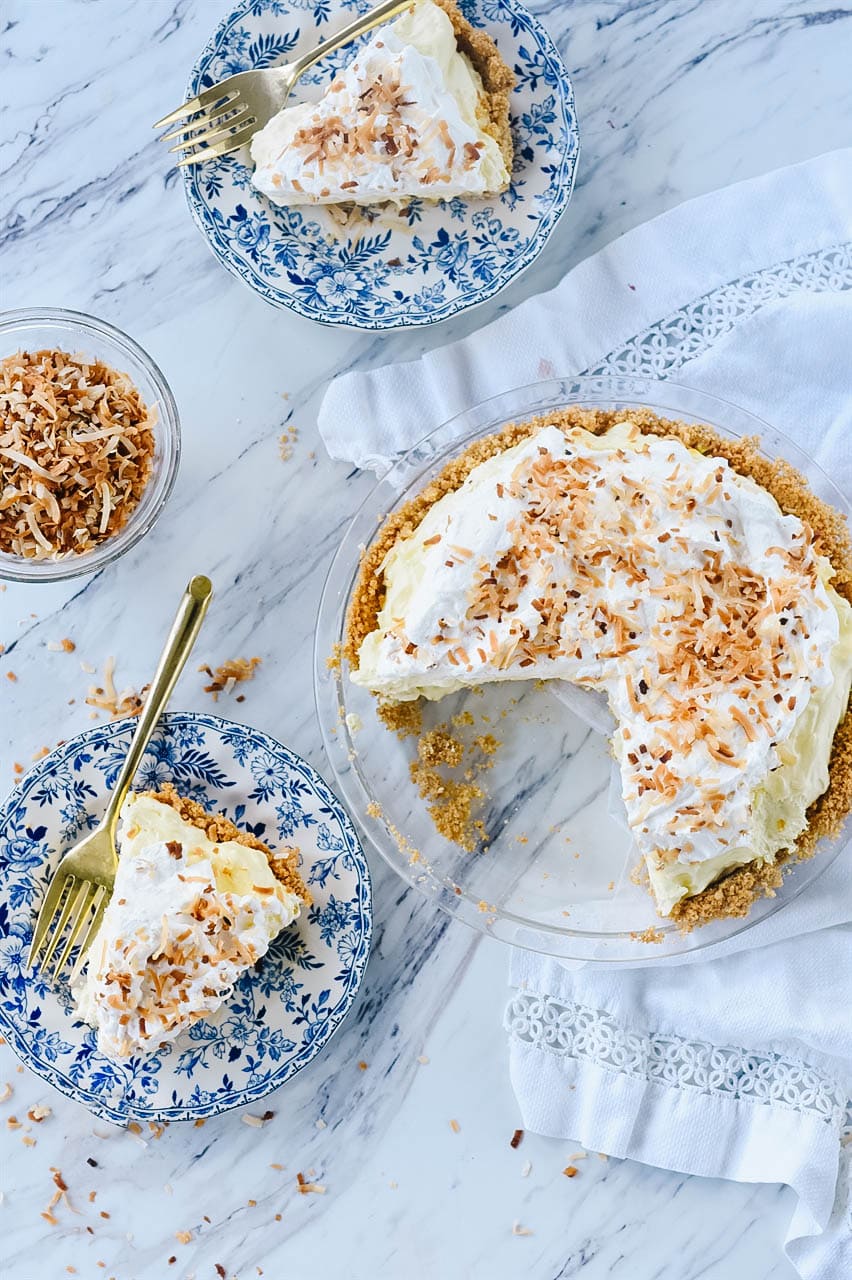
704,590
196,903
421,110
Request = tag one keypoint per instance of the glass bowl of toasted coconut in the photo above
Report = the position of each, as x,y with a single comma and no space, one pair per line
89,444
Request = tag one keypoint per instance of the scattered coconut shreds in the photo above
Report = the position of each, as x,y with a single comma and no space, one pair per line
423,1060
107,698
183,1237
257,1122
76,452
518,1230
61,646
578,1155
526,1169
321,1124
455,1126
516,1139
233,672
37,1114
7,1092
309,1188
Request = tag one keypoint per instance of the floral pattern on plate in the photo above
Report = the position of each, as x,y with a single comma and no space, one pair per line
281,1012
382,271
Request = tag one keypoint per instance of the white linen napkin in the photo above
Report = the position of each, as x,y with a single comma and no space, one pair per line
735,1062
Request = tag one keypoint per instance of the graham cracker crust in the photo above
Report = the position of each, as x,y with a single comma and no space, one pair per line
497,78
215,827
734,893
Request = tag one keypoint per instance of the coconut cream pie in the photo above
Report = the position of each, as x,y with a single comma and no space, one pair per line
196,902
702,589
421,110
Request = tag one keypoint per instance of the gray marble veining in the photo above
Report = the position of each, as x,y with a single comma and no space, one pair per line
675,97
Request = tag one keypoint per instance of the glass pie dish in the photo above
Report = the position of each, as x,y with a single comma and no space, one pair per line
556,874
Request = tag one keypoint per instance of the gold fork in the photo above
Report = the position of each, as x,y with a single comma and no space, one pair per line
231,111
81,885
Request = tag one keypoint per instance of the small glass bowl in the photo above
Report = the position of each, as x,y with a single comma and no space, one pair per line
37,329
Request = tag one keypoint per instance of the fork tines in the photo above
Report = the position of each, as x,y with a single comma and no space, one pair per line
70,917
213,124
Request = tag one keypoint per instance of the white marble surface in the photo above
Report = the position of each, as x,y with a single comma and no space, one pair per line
675,97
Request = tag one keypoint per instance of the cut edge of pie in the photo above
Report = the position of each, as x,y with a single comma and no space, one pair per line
497,77
736,891
217,828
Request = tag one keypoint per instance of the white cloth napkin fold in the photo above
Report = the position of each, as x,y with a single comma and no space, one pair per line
735,1062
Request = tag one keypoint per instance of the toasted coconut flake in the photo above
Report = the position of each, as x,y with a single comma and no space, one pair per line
76,452
107,698
309,1188
230,673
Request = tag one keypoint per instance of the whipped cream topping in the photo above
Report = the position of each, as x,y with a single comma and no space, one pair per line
402,119
631,564
186,918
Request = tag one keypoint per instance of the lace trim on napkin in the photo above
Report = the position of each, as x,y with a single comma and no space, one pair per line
584,1034
672,342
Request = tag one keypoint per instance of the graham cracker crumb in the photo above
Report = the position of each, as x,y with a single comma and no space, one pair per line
405,719
453,805
286,442
651,934
440,747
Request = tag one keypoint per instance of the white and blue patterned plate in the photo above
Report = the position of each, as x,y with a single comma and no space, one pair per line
386,272
281,1013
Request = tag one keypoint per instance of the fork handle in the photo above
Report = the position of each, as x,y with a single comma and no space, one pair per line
182,637
364,22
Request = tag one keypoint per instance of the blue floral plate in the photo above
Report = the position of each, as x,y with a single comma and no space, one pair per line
281,1013
382,271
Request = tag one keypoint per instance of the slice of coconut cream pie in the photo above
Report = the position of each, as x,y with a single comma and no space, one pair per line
421,110
692,582
196,902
